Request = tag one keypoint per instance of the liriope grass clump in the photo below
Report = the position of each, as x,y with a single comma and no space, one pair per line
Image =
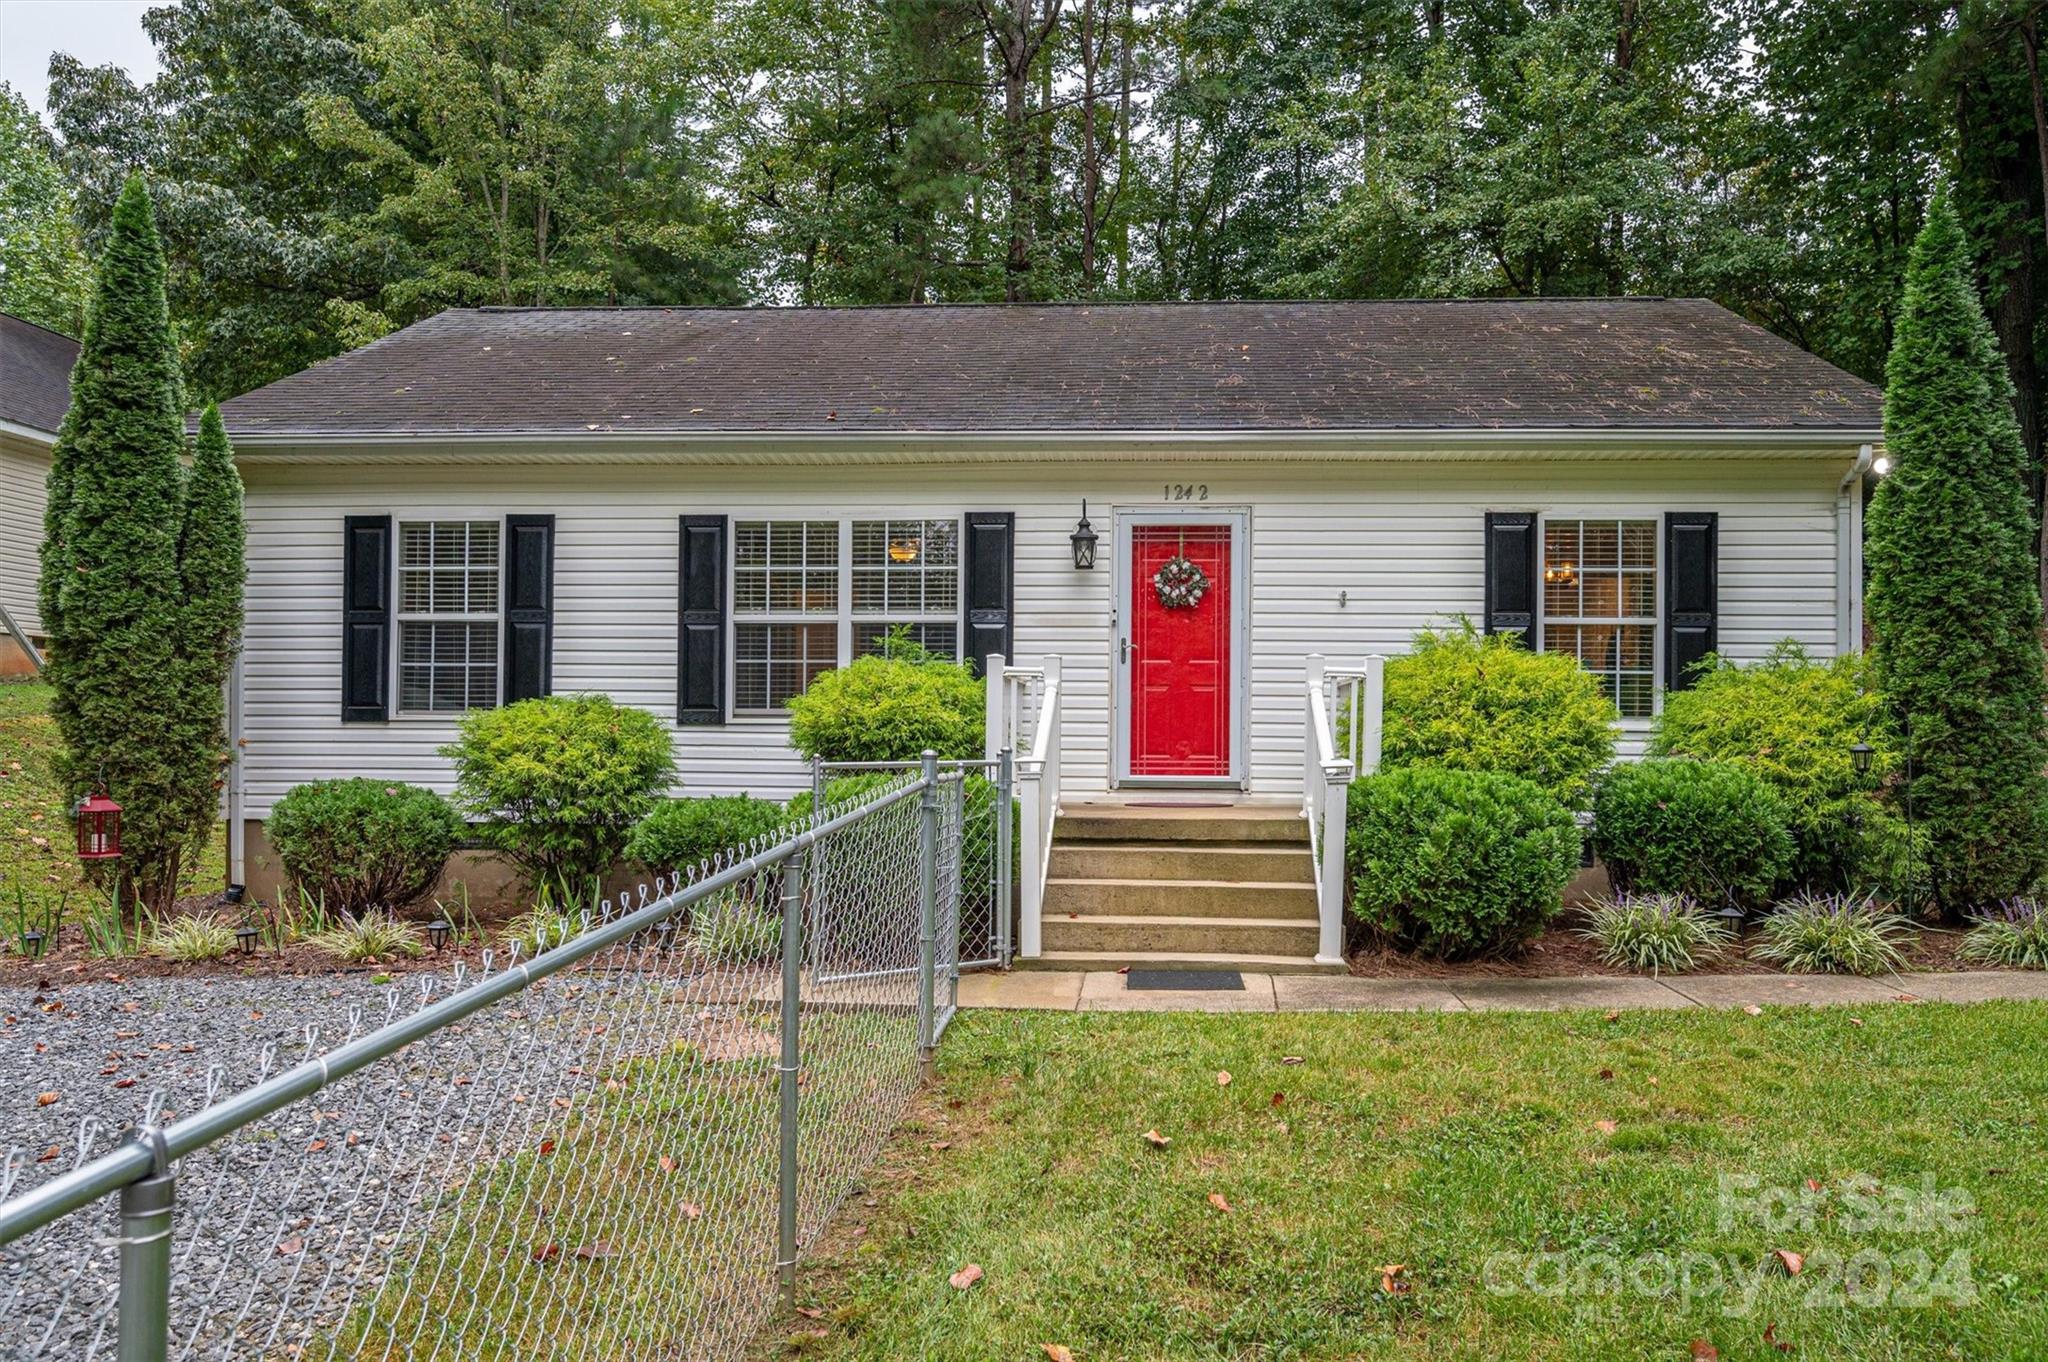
373,936
1659,933
2014,934
192,938
1833,934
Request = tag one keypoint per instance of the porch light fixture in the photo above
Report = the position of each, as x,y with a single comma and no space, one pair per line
99,828
437,933
1860,755
1083,539
245,937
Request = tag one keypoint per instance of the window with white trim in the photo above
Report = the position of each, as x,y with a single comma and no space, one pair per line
1600,604
447,615
810,595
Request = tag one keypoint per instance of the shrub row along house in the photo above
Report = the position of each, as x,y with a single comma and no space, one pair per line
35,389
699,511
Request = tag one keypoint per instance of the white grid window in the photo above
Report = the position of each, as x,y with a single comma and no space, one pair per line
1600,604
906,580
447,616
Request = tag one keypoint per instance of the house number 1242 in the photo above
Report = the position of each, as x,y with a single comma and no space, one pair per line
1185,491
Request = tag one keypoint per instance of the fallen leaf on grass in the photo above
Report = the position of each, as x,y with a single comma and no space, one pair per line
965,1277
1752,1009
601,1248
547,1253
1279,1098
1156,1140
1771,1337
1058,1352
1614,1016
1607,1075
810,1312
1390,1279
1794,1263
1703,1351
1291,1059
1223,1078
1220,1202
691,1210
1855,1021
1606,1127
668,1163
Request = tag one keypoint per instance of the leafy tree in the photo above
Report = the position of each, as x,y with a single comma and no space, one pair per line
44,277
141,573
1953,600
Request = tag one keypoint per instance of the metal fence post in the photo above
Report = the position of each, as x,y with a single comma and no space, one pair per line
928,905
792,1006
1005,854
144,1311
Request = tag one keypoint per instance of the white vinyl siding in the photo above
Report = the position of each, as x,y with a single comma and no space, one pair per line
1347,558
24,473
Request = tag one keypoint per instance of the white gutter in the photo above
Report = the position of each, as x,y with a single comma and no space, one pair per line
824,447
1849,555
33,434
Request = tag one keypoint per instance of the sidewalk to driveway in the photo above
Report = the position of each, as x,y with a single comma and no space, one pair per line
1048,990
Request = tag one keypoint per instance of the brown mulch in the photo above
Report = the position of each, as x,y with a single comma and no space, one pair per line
1562,951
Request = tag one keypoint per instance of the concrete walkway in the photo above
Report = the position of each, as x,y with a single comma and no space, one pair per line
1048,990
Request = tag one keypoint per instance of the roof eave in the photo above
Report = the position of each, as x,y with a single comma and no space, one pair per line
998,446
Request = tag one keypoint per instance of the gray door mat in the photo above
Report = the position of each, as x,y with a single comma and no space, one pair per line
1186,980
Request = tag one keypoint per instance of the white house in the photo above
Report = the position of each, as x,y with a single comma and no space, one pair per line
35,391
696,511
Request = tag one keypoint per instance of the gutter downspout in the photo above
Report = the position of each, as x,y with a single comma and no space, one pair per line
1849,556
237,786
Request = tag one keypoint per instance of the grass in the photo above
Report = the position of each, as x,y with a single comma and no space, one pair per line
36,836
1444,1144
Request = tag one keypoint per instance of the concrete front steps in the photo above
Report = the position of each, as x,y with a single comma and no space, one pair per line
1180,887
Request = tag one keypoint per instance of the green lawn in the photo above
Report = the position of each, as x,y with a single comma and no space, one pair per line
1469,1149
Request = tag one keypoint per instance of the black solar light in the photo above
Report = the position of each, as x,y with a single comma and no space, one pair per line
437,933
245,937
1084,538
32,943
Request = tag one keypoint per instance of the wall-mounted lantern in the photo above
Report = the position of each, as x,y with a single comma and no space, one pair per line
99,828
1084,541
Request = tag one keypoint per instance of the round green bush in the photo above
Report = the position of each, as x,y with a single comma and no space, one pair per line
1792,720
1463,701
681,834
357,845
890,709
1455,864
1710,829
559,783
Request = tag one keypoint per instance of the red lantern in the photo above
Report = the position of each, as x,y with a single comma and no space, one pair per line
99,828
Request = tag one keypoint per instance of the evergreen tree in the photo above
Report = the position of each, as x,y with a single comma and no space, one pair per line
111,583
1953,600
210,569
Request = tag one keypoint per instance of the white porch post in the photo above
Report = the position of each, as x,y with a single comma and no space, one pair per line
1371,725
995,736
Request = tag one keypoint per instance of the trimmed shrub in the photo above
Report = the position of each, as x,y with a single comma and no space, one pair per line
1709,829
682,834
355,845
890,709
1464,701
1792,720
559,783
2014,934
1955,600
1457,863
1832,934
1661,933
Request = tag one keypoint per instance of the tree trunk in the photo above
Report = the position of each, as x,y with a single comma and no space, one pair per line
1091,151
1017,36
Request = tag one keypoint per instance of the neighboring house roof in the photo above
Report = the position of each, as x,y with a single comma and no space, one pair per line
35,374
1245,367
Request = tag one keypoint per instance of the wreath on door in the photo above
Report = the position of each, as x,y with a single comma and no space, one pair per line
1180,582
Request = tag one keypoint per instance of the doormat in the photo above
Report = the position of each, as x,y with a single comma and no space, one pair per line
1175,804
1186,980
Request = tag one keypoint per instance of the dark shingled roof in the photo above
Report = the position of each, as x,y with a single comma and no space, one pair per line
35,374
1604,363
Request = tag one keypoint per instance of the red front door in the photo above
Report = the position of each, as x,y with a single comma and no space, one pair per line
1180,656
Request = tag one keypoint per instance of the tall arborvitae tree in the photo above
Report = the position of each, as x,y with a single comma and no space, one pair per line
1953,601
120,609
210,568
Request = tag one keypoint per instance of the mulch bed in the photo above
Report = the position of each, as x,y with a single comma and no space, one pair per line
1562,951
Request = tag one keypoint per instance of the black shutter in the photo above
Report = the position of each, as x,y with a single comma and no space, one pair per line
1511,574
991,595
366,619
529,661
700,637
1691,592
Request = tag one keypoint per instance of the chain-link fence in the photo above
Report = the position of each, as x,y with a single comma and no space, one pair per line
611,1145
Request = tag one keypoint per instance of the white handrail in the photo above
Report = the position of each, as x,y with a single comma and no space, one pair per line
1036,740
1330,763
